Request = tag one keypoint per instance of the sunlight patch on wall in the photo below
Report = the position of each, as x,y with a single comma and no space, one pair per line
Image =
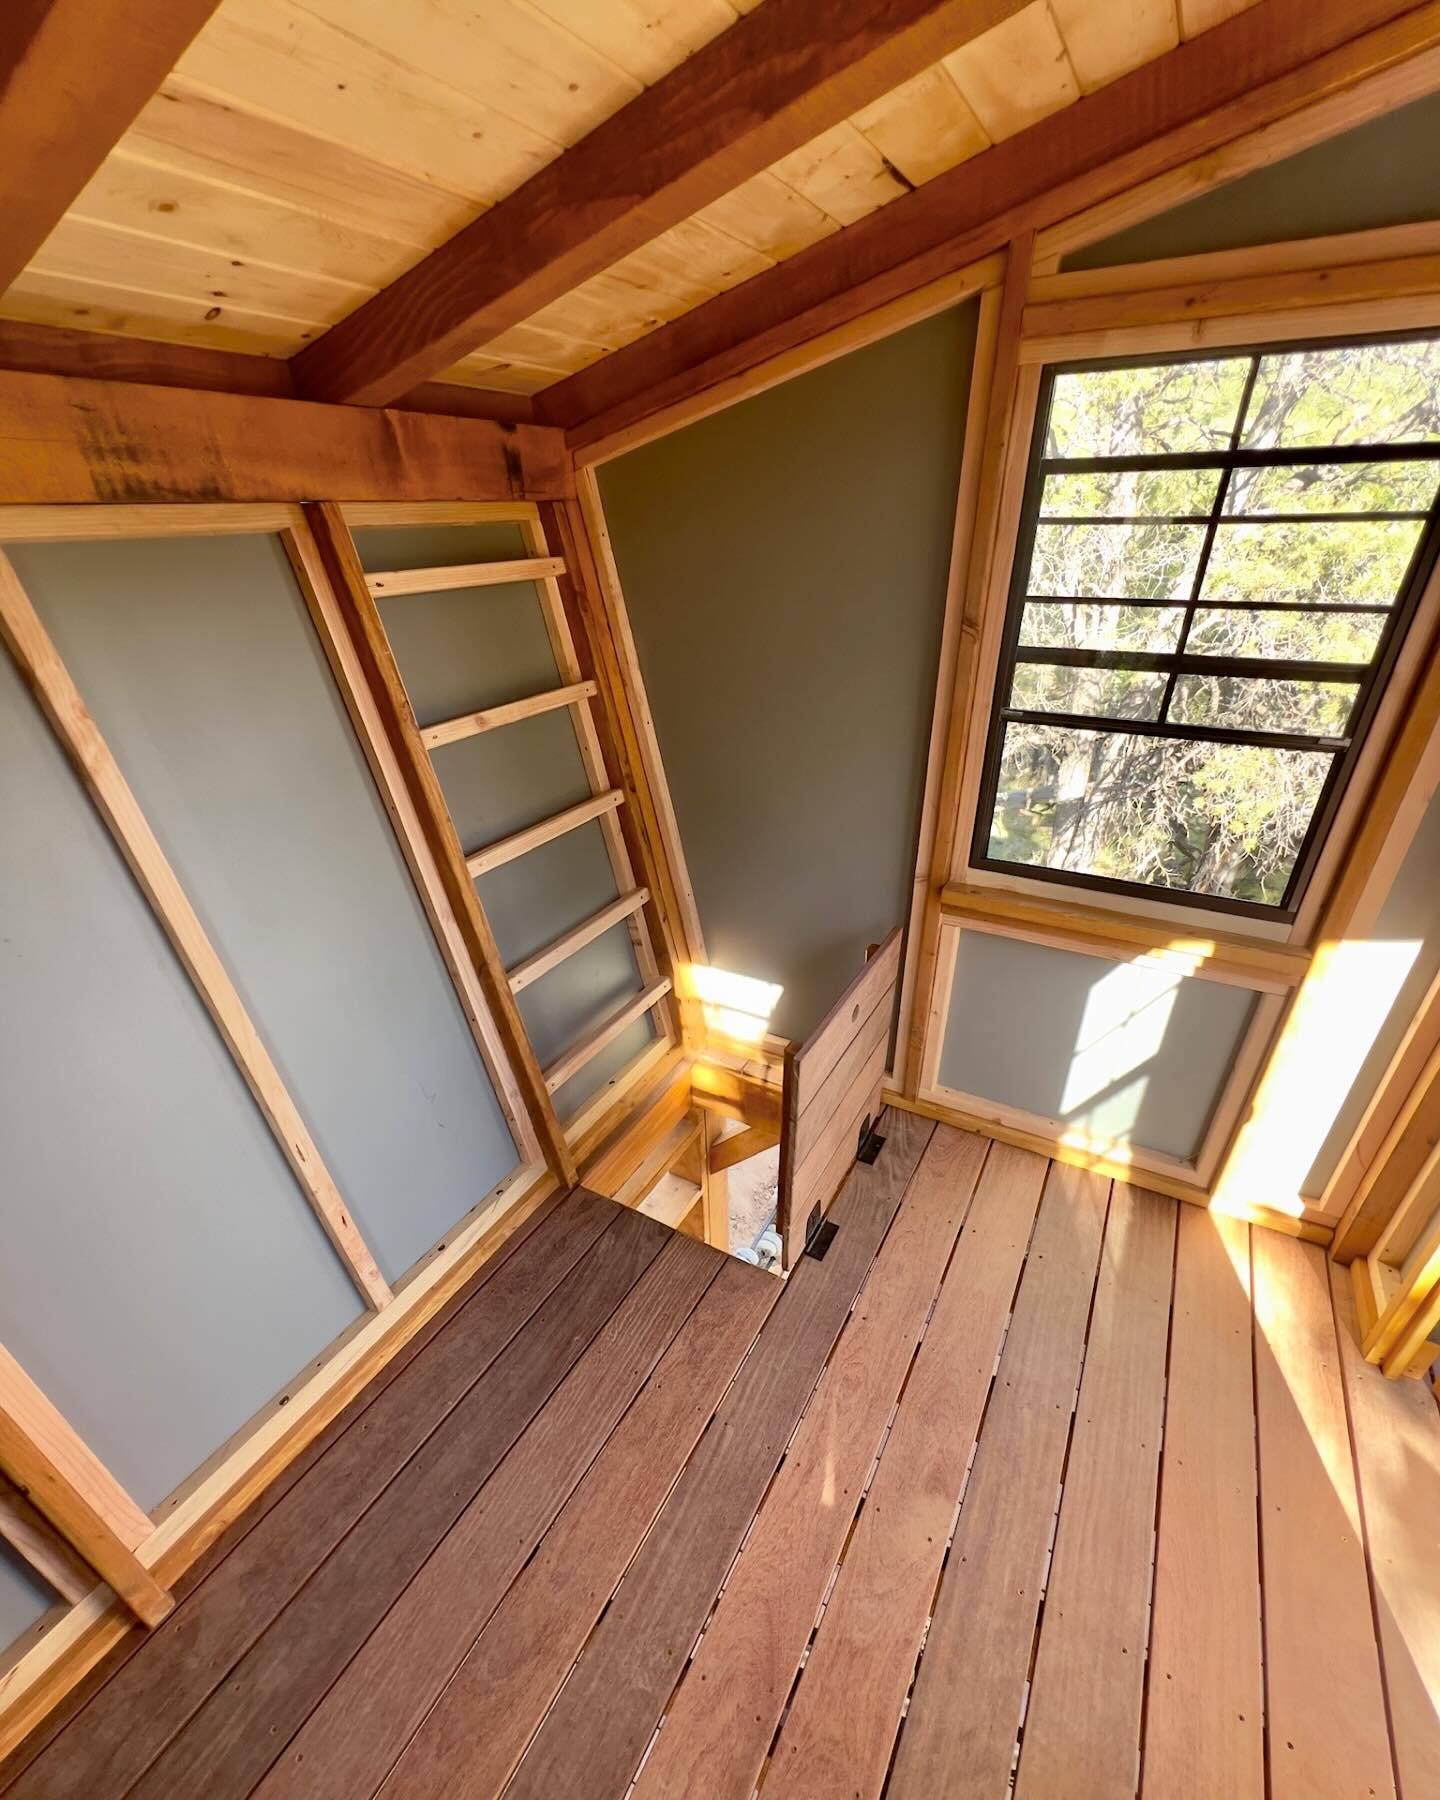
1127,1014
733,1006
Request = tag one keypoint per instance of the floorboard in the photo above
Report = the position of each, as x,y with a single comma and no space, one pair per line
604,1717
1082,1724
1035,1483
231,1741
1396,1430
842,1726
1205,1711
959,1734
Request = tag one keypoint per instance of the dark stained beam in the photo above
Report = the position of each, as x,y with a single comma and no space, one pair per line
74,75
104,356
780,76
1268,62
118,442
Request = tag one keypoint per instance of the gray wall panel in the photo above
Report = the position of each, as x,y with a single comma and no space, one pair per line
538,897
470,648
163,1276
1127,1053
503,780
205,675
24,1598
384,547
785,564
1383,173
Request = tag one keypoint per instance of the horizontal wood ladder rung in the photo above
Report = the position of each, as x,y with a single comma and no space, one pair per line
511,712
389,582
506,849
556,952
588,1048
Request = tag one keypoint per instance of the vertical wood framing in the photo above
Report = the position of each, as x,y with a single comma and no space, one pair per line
61,1475
984,545
31,1535
601,772
601,602
39,662
924,900
366,632
369,727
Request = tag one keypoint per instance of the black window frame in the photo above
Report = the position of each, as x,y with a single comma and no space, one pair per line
1372,685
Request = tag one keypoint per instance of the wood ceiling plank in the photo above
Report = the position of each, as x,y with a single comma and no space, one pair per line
925,127
215,139
842,173
767,215
1105,41
1203,15
271,57
44,297
73,75
1268,63
760,90
645,38
1017,74
142,196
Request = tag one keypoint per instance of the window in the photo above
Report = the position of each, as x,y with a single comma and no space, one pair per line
1217,559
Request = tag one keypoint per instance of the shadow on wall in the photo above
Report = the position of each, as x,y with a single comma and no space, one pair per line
1127,1052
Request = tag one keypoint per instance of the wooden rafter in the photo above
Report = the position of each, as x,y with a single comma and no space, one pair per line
772,82
74,75
1277,59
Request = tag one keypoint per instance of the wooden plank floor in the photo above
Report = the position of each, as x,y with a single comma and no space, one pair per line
1036,1484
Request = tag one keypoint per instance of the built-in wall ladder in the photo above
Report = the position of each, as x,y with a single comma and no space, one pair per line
577,694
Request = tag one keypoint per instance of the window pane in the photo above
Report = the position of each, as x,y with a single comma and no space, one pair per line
1333,487
1347,394
1239,703
1221,819
1363,562
1131,493
1074,625
1130,562
1295,636
1163,407
1101,693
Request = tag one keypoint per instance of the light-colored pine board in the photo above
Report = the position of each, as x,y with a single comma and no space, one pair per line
31,1535
511,712
842,173
769,215
959,1733
506,849
1016,74
590,1046
645,38
1325,1709
1203,15
388,582
721,1722
1396,1430
1104,41
553,954
1082,1724
1204,1727
924,127
842,1723
43,1455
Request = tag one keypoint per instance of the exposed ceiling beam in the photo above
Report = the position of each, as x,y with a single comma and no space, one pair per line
1274,60
105,356
74,75
778,78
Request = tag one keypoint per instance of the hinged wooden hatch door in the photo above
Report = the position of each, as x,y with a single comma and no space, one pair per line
832,1095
